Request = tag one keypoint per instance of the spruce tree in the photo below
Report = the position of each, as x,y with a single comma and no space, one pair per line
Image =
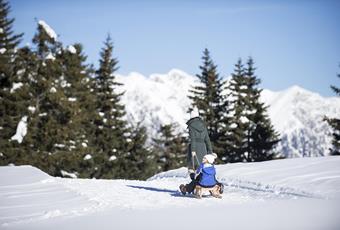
335,124
208,98
263,138
17,103
12,89
138,161
111,131
50,111
170,148
236,135
251,136
8,44
81,105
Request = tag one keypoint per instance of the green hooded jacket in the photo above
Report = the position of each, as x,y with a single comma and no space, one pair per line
199,141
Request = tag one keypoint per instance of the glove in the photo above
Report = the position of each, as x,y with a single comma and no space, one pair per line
193,153
191,173
192,176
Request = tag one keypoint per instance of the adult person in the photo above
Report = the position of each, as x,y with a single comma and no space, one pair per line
199,146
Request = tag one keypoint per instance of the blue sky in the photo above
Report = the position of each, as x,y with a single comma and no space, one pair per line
292,42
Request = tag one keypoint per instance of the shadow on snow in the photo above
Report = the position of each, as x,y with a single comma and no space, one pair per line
174,193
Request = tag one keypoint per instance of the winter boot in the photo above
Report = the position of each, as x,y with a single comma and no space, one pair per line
221,187
183,189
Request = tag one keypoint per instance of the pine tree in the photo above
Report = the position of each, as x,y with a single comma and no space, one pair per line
111,131
263,138
236,136
251,136
12,108
8,45
50,111
77,77
17,103
335,124
139,161
208,98
170,148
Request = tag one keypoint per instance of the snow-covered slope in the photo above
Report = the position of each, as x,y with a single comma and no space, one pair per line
296,113
310,177
157,99
284,194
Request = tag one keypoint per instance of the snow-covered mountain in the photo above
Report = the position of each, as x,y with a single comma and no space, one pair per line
297,114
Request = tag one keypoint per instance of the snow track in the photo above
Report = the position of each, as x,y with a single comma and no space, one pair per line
268,191
38,201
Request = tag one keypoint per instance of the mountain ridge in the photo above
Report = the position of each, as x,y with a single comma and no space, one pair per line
296,113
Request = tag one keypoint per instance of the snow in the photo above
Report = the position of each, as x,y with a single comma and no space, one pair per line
84,144
250,112
64,83
244,119
20,72
31,109
298,116
66,174
71,49
16,85
112,158
233,125
72,99
50,56
21,130
87,157
157,99
283,194
53,90
50,32
3,50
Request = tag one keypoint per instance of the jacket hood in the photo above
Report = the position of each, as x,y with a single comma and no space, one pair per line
209,170
196,123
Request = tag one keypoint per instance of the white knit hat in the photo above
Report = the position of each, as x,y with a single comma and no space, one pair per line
194,113
210,158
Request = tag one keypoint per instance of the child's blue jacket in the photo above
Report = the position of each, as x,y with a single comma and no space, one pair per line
207,175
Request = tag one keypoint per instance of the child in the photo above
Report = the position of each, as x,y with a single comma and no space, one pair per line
206,172
205,175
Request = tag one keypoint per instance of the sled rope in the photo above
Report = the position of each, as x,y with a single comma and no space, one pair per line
193,161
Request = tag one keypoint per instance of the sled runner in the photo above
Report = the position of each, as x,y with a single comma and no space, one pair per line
214,191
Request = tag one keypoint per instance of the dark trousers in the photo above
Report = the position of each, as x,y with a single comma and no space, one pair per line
194,181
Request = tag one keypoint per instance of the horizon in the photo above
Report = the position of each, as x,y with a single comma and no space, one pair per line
130,74
292,43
